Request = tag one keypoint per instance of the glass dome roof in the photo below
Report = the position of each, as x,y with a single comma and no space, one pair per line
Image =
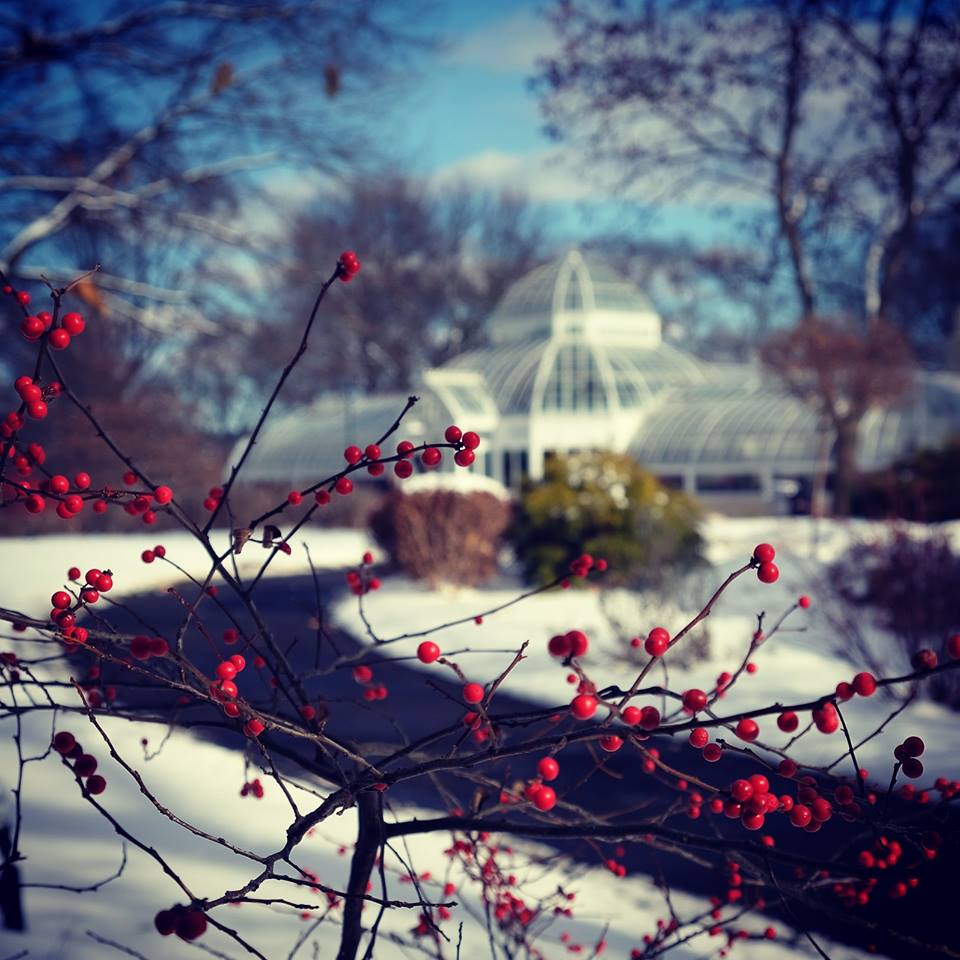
576,375
592,285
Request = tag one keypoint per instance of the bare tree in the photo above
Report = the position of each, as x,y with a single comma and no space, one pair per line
169,140
831,127
437,261
842,371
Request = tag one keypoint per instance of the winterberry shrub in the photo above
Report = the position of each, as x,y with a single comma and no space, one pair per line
628,764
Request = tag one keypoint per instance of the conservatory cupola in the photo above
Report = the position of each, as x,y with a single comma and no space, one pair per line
576,297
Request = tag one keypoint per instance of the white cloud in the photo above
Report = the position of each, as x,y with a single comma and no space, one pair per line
547,175
511,44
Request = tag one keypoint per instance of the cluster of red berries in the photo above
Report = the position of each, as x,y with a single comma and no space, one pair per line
143,647
64,607
767,570
582,565
569,645
863,684
34,400
158,552
361,581
537,792
212,499
84,764
907,754
252,789
348,266
363,675
699,739
370,457
59,336
224,688
187,923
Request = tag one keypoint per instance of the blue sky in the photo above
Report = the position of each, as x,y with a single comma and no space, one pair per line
472,115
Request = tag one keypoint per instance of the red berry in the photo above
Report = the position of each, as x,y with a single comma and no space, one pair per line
32,328
403,469
163,494
747,729
431,457
85,765
611,744
764,553
23,297
322,497
58,484
239,662
165,922
560,645
452,434
657,642
768,573
362,673
428,651
294,497
344,486
253,727
104,583
61,600
630,715
64,742
741,790
226,670
74,324
583,706
694,700
804,602
865,684
579,643
788,721
800,815
96,785
464,458
712,752
191,924
473,693
59,339
953,647
548,768
649,718
470,440
913,746
353,454
545,798
699,737
912,768
147,556
37,409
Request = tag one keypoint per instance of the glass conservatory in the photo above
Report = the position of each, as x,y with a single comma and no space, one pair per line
576,361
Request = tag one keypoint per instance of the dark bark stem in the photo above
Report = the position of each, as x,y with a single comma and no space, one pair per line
370,836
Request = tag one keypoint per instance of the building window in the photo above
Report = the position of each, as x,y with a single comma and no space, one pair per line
728,483
574,382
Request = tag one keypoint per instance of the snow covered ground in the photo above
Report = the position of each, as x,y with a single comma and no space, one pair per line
67,843
797,664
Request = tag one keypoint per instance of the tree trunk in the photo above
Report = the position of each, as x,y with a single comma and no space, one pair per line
845,469
369,838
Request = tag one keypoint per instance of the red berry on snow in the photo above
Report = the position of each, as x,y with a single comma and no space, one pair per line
768,573
428,651
657,642
764,553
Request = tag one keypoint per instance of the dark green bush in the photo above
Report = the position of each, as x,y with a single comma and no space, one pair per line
607,505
